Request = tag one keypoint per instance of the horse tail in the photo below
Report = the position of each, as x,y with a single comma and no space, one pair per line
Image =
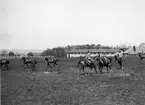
78,64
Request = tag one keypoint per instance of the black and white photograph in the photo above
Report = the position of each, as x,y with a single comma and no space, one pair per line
72,52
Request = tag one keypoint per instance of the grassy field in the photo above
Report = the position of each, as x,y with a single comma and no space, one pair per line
64,87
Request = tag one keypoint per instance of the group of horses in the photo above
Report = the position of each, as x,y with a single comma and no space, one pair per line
82,63
29,63
100,61
103,62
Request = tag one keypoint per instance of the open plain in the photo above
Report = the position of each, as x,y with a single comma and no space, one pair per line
63,85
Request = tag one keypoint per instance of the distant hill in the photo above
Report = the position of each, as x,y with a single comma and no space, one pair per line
24,51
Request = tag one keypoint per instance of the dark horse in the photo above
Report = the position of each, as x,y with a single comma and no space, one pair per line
51,60
4,63
83,63
141,56
33,65
104,62
28,62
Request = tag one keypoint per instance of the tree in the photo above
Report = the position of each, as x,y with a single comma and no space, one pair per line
142,45
4,52
57,52
11,53
30,54
98,46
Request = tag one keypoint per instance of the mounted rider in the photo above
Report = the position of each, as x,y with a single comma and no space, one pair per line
51,58
105,57
2,60
88,58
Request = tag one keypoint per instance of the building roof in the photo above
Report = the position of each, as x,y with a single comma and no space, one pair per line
93,50
138,50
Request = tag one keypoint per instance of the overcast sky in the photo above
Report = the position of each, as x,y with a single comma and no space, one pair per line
41,24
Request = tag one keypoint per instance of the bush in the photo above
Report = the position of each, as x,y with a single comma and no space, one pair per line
57,52
30,54
11,53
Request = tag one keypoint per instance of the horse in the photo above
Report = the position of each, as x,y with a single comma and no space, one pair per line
26,61
4,63
53,60
33,65
82,64
141,56
104,62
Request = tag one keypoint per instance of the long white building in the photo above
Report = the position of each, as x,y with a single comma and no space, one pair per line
93,52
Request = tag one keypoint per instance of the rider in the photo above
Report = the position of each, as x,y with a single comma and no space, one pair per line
88,57
50,58
105,57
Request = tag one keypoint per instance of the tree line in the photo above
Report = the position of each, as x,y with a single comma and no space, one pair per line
62,51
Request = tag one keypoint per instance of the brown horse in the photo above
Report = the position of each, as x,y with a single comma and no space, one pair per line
83,63
51,60
141,56
30,62
4,64
104,62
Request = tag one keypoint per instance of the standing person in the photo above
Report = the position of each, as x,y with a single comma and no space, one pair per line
120,59
120,55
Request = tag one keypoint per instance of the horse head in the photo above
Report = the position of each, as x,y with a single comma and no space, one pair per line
57,59
46,58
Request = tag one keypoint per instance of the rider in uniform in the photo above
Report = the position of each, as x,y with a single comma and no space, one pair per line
51,58
88,57
105,56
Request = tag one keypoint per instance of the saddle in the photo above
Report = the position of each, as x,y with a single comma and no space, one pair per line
3,61
88,61
50,60
28,60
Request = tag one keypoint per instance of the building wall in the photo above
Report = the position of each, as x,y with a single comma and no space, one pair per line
80,54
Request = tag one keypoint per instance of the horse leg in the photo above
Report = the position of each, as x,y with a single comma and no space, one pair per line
27,65
100,68
107,68
91,70
56,64
121,65
7,66
1,66
80,68
83,69
34,68
48,64
95,69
